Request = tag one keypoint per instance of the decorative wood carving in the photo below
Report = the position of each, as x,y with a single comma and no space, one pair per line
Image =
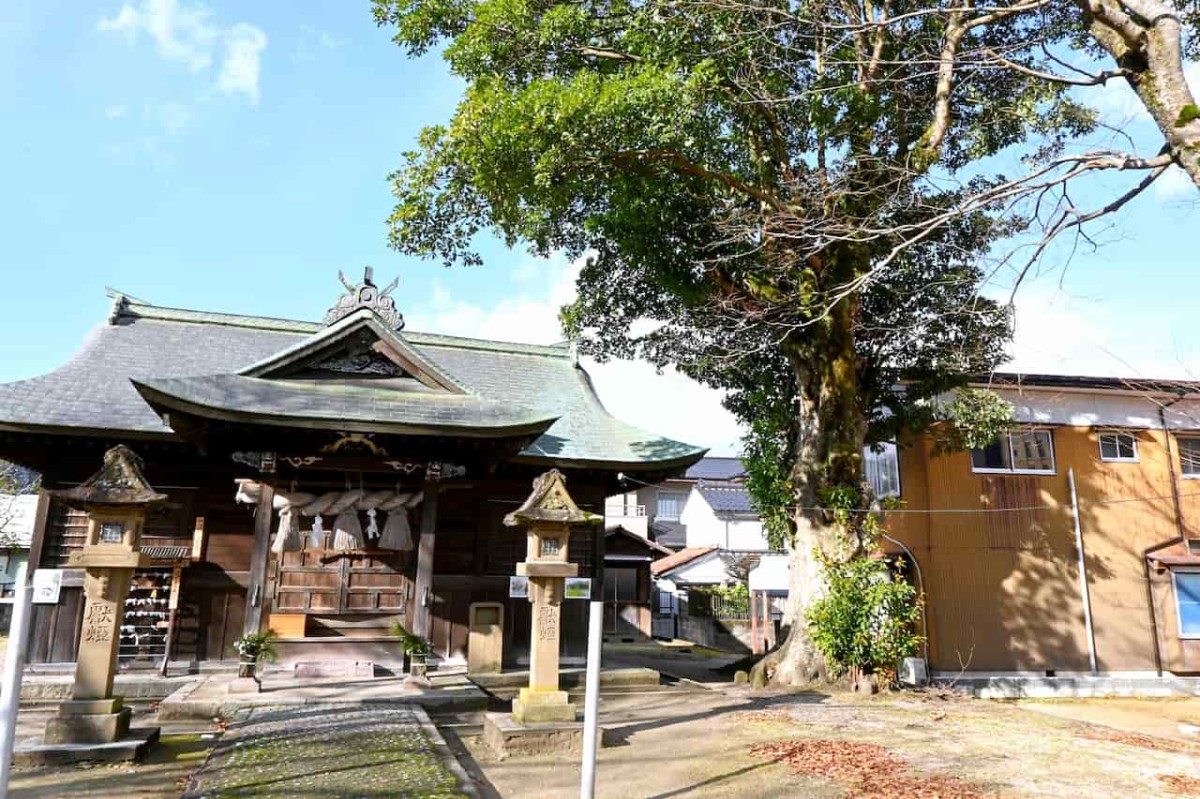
362,362
366,295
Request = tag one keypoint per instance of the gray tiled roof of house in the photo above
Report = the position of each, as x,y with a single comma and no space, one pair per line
726,499
670,534
715,468
93,391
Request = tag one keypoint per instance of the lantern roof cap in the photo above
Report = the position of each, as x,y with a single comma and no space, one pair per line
550,502
119,482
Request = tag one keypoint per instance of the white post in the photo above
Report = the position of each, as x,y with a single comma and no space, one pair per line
591,701
10,689
1083,579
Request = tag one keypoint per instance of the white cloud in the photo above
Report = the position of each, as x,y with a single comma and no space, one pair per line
189,35
1059,333
115,111
172,117
1175,184
669,404
240,68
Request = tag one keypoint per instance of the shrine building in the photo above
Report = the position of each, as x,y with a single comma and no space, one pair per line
323,479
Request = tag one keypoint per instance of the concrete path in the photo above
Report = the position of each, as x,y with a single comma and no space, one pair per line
334,751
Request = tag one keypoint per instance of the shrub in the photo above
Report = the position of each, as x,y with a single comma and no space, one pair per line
866,621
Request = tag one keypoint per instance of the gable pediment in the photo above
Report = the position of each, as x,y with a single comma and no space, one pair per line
360,347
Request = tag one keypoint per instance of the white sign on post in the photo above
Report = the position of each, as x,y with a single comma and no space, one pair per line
518,587
578,588
47,584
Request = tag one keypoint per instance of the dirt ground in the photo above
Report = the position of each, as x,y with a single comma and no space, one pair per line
691,741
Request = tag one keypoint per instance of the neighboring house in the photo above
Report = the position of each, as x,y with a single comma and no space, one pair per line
706,516
628,583
997,553
17,514
654,511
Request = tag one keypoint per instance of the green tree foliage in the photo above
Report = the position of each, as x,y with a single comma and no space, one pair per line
784,199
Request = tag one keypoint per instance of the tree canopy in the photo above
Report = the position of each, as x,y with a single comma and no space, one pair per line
793,201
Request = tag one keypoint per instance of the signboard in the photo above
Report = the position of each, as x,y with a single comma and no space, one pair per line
518,587
47,583
578,588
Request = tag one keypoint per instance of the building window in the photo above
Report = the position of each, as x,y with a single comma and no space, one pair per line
670,504
881,464
1189,457
1118,447
1187,600
1021,451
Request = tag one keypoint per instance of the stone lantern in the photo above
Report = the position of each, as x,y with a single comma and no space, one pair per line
548,515
115,499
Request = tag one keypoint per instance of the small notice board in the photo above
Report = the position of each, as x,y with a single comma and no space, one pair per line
47,585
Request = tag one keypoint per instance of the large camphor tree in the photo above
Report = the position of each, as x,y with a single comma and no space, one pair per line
792,201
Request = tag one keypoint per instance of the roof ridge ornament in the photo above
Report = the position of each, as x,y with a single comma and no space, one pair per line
366,295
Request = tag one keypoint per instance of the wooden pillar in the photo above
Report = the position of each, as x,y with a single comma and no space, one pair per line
767,622
423,606
755,642
172,616
37,545
257,588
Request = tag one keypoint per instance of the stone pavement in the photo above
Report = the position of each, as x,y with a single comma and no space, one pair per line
208,696
335,751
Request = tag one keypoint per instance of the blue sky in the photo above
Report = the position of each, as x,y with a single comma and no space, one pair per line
233,156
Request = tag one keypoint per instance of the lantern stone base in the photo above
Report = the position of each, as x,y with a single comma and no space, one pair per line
132,747
508,738
88,721
540,707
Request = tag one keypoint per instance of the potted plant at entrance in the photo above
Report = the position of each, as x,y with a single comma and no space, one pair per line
416,650
253,649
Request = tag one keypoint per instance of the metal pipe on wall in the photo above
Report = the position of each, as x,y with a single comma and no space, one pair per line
1084,594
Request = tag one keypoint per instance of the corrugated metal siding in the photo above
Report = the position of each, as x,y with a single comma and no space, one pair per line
1003,588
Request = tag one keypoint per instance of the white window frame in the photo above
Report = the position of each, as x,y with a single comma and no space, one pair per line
1008,437
1179,440
658,514
888,447
1132,436
1178,613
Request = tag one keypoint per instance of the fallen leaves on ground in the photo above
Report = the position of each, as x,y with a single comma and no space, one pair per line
868,770
1180,784
1143,741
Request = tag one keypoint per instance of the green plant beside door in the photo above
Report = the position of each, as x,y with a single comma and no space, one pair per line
254,649
416,649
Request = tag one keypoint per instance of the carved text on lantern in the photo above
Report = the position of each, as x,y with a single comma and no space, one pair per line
98,622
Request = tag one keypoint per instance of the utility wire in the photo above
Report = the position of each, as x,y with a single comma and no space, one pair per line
1020,509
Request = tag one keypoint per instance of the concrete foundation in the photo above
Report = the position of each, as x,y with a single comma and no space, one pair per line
509,738
1070,686
132,747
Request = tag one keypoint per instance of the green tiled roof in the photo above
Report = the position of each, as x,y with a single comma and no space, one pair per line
94,391
336,406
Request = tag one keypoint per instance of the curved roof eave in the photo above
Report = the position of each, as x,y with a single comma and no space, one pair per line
159,399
